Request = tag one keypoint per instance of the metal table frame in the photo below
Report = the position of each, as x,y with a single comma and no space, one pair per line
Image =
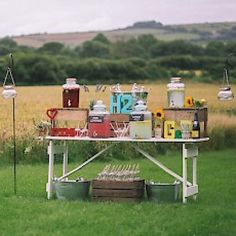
189,151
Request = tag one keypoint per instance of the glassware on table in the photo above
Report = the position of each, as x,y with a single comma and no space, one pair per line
186,128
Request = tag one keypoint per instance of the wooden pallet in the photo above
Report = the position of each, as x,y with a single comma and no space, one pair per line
118,190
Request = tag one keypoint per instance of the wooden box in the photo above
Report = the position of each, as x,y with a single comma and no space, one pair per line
66,120
119,121
117,190
178,114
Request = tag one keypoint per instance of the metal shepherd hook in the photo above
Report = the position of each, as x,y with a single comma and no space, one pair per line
10,92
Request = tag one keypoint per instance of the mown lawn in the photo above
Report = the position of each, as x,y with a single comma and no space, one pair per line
214,212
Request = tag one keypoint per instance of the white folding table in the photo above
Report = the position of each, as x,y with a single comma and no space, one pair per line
189,150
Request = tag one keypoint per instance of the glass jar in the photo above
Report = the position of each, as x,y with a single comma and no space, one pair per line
99,121
71,93
176,93
140,122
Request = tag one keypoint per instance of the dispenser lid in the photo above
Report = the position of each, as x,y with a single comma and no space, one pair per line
71,84
175,83
99,106
140,106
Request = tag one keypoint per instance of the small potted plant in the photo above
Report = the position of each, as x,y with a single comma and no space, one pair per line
43,127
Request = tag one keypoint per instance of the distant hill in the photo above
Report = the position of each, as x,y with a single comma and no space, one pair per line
199,33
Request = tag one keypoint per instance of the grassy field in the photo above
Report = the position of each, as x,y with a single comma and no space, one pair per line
32,103
214,212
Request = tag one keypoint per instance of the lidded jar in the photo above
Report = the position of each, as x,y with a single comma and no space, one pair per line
71,93
176,93
140,122
99,121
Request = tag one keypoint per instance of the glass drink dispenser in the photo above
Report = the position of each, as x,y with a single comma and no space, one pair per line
99,121
175,93
71,93
140,122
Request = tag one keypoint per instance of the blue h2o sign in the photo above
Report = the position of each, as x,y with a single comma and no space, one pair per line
121,104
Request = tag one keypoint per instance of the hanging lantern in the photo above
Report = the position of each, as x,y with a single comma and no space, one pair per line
225,93
9,92
9,89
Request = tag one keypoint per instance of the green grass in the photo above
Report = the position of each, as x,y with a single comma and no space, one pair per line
214,212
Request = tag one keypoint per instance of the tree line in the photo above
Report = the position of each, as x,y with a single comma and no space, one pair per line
100,60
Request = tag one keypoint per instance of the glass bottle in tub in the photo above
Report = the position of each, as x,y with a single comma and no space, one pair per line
140,122
175,93
99,121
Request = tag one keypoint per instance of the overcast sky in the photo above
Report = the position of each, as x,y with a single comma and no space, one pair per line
38,16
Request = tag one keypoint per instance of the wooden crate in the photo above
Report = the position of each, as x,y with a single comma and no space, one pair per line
178,114
117,190
76,115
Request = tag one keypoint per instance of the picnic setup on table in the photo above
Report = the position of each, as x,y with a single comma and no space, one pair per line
125,119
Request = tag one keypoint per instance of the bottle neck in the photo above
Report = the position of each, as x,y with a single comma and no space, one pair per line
196,124
195,117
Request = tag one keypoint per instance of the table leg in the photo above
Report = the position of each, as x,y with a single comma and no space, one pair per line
195,175
50,186
184,170
65,159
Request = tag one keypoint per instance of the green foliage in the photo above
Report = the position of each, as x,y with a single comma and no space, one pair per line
221,137
146,41
93,48
8,42
229,34
147,24
230,48
130,48
37,69
101,38
52,47
215,49
177,47
7,45
101,61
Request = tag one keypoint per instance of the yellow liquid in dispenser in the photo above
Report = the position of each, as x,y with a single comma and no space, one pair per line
140,122
141,129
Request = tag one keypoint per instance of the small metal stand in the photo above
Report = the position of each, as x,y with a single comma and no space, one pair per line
8,93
